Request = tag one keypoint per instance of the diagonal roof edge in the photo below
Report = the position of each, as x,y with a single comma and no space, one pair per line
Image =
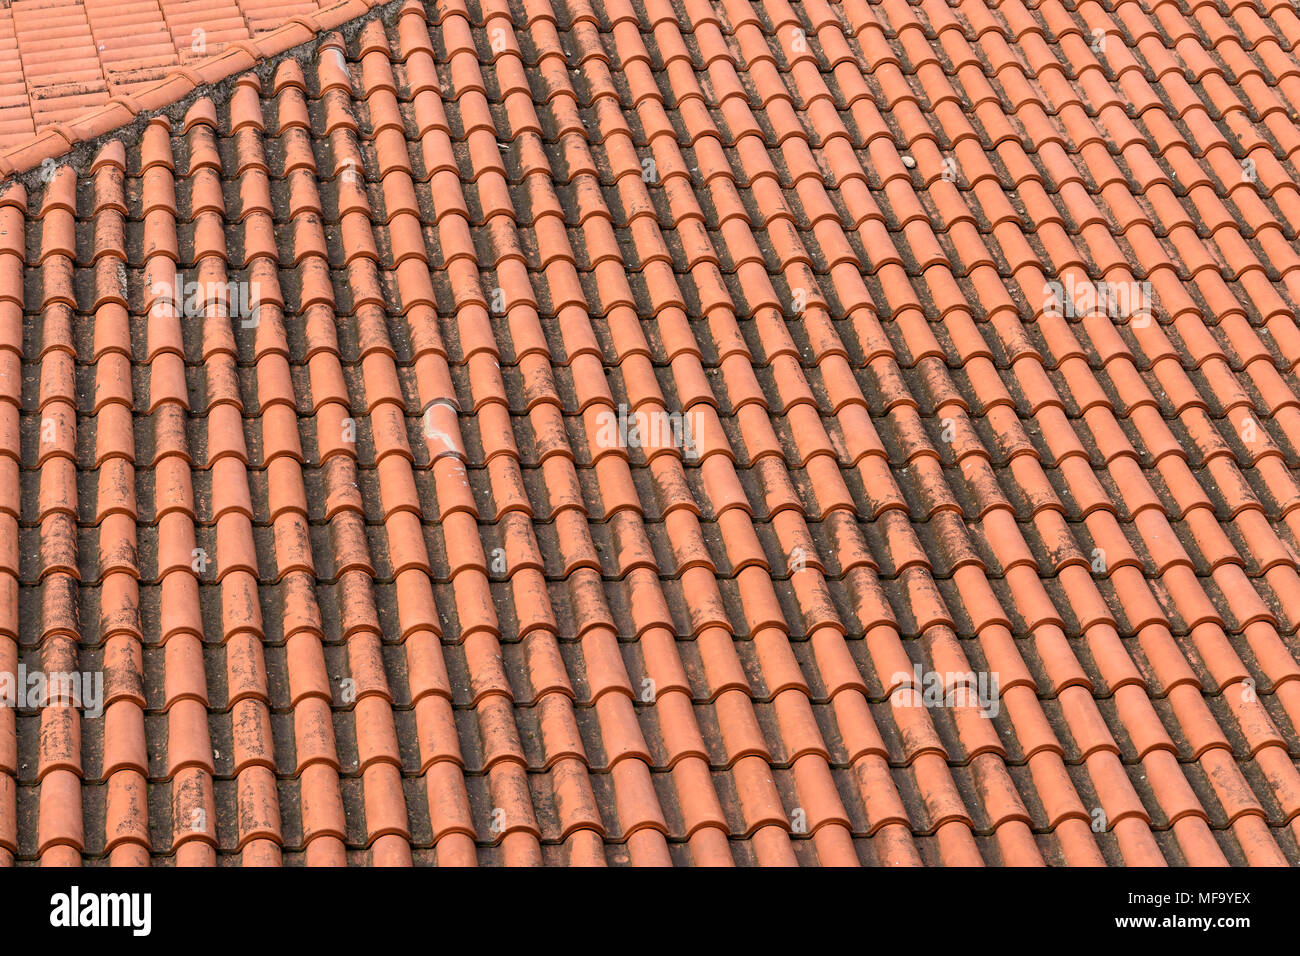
180,83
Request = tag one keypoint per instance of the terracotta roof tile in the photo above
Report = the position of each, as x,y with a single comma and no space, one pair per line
713,432
15,107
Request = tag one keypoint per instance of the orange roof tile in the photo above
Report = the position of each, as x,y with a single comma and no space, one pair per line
715,432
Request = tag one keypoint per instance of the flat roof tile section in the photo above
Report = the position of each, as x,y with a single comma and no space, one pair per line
15,107
203,28
266,15
698,433
133,42
61,64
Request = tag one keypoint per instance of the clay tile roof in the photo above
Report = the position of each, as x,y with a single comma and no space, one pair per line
71,70
696,432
